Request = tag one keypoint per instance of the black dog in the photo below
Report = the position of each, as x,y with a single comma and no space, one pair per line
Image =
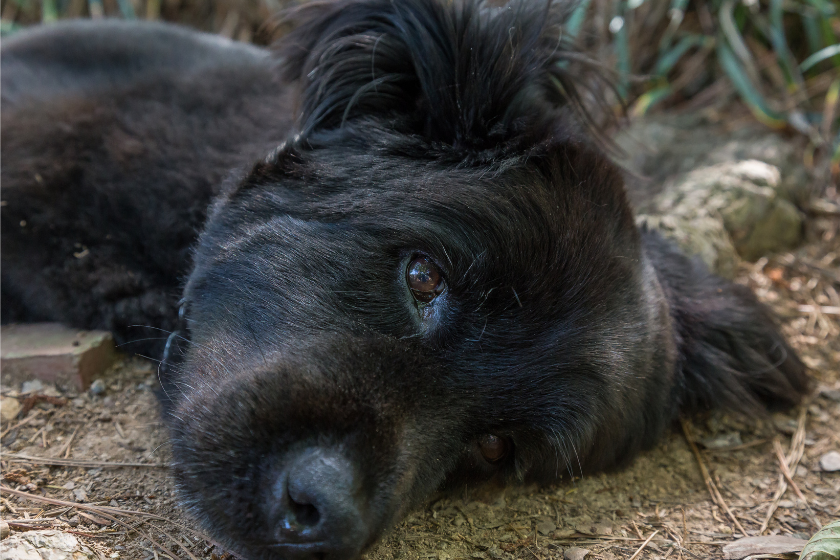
435,279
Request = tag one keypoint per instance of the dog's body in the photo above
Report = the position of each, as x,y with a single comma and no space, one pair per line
435,278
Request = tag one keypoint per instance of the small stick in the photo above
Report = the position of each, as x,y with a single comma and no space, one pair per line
66,449
644,544
25,421
780,455
16,457
710,485
797,448
36,434
9,505
102,510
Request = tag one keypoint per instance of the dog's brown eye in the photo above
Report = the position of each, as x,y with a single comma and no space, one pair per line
493,448
424,279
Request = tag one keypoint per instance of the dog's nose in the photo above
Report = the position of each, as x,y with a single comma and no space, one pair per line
316,510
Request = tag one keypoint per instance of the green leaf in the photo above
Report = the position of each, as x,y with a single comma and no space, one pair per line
819,56
779,41
669,59
743,85
649,99
49,11
824,545
572,26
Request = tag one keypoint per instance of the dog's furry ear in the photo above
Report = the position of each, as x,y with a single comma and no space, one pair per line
731,353
456,72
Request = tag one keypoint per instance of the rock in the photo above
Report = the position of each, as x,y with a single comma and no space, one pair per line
79,494
722,441
44,545
33,386
53,353
575,553
750,546
4,530
830,462
97,387
832,394
704,237
726,210
9,409
546,526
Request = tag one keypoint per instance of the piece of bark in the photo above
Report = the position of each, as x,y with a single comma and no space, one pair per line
774,544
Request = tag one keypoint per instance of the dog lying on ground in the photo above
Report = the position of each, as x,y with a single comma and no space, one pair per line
419,269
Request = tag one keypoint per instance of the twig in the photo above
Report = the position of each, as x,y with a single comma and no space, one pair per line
797,448
644,544
101,510
66,449
26,420
780,455
713,491
824,309
18,458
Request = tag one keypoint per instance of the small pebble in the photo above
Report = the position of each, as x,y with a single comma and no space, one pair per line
97,387
830,462
70,485
32,386
546,526
832,394
721,441
575,553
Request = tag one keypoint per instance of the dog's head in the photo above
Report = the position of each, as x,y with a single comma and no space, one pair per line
438,280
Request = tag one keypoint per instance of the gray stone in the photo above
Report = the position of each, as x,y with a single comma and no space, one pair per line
830,462
575,553
44,545
97,387
726,210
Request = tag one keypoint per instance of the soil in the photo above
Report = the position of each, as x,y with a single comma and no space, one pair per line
612,514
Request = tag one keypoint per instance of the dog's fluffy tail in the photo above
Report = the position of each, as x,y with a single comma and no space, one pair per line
731,353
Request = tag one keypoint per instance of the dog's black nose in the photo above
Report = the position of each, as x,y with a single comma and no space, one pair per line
316,509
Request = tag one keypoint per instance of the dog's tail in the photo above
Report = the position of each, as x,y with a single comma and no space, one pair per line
731,353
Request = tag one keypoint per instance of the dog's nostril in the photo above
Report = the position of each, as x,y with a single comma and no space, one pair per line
305,514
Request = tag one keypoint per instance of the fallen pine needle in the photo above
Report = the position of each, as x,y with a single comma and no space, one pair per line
644,544
780,455
797,448
65,450
16,457
23,422
707,478
101,510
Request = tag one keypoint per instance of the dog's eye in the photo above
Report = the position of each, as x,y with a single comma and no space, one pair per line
424,279
493,448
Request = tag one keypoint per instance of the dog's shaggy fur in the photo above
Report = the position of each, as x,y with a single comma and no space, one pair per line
312,396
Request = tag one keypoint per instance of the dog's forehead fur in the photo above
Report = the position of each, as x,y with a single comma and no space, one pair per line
532,239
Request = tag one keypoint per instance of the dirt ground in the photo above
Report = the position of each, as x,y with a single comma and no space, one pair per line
662,493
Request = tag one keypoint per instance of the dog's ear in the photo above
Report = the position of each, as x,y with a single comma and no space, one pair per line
730,351
456,72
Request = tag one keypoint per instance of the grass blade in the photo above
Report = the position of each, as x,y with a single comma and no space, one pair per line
746,89
819,56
